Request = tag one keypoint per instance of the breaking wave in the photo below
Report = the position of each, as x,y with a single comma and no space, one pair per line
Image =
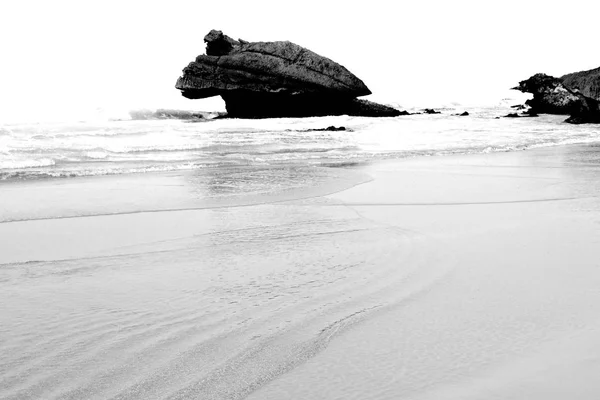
23,164
156,142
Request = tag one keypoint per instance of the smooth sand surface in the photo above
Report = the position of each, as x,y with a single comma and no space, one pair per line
518,314
464,277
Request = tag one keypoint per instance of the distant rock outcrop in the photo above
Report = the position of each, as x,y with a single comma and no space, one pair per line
275,79
554,96
586,82
550,96
328,129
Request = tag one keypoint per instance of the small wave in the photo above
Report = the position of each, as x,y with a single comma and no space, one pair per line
116,149
21,164
101,148
46,174
96,155
161,113
220,149
5,132
263,150
312,150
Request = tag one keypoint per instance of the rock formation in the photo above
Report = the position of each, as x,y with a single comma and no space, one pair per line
275,79
586,82
587,111
554,96
550,96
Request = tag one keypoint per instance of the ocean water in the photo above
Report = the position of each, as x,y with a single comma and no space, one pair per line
168,259
101,147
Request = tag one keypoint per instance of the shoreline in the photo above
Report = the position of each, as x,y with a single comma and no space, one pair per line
169,181
515,316
373,286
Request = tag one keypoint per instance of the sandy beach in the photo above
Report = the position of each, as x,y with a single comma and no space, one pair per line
458,277
516,314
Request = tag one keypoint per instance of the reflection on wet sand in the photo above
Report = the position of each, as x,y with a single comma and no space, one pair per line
409,279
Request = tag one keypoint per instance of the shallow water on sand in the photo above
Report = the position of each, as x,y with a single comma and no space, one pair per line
518,317
190,300
416,280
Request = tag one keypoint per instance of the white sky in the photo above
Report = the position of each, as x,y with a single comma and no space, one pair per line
62,55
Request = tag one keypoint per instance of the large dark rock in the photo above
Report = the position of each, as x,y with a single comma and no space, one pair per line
552,96
274,79
586,82
586,111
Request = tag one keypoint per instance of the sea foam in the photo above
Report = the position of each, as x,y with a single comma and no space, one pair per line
113,147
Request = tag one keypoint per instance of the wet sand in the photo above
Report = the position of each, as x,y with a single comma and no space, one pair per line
429,278
517,316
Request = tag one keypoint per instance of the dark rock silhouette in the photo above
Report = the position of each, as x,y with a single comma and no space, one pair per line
275,79
530,113
333,128
423,111
586,82
550,96
522,115
554,96
586,111
328,129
